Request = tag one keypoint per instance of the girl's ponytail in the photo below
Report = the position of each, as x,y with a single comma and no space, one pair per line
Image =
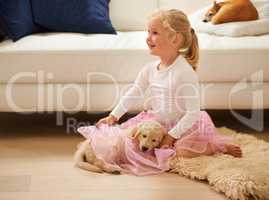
192,53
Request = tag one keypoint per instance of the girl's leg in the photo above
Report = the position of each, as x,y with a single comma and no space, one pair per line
230,149
190,154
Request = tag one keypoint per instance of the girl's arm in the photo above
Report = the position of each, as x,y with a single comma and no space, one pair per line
191,96
134,94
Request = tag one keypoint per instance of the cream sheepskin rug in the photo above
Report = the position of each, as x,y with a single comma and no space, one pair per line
238,178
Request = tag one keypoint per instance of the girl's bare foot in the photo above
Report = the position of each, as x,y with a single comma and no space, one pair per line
233,150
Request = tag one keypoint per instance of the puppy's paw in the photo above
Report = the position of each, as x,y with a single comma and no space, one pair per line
113,169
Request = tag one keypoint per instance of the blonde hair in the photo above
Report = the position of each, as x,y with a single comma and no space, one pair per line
177,22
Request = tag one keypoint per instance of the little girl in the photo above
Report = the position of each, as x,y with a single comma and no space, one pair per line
173,100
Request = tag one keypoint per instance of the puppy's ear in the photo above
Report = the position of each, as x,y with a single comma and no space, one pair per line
163,133
133,132
216,5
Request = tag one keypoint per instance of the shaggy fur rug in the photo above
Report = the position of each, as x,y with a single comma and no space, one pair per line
238,178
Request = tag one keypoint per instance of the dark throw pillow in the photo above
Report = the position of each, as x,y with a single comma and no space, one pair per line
2,35
83,16
16,18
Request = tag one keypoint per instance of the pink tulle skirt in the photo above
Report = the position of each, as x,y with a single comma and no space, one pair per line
111,144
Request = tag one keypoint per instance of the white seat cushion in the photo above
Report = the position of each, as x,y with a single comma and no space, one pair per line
70,57
73,57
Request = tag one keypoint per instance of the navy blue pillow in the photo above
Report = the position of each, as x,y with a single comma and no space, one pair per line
83,16
2,34
16,18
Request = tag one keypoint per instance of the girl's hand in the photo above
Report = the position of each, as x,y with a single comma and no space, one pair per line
110,120
167,142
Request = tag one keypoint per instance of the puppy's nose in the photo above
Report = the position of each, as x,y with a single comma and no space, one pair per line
205,20
144,148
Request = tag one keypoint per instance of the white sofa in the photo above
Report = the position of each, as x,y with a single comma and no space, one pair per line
74,72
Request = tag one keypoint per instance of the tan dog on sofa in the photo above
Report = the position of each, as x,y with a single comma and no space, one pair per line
231,11
149,135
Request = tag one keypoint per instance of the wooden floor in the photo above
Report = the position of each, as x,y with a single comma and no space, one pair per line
36,163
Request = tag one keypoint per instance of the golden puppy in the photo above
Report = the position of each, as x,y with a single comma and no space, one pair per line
231,11
149,135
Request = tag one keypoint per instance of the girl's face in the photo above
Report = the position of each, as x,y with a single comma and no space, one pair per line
159,40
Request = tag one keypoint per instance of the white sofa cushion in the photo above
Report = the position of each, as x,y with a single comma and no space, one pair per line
234,29
71,56
134,18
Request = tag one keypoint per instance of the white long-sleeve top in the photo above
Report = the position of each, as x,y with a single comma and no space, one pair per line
173,94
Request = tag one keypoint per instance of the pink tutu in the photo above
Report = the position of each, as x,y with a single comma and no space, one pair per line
196,139
111,144
202,133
